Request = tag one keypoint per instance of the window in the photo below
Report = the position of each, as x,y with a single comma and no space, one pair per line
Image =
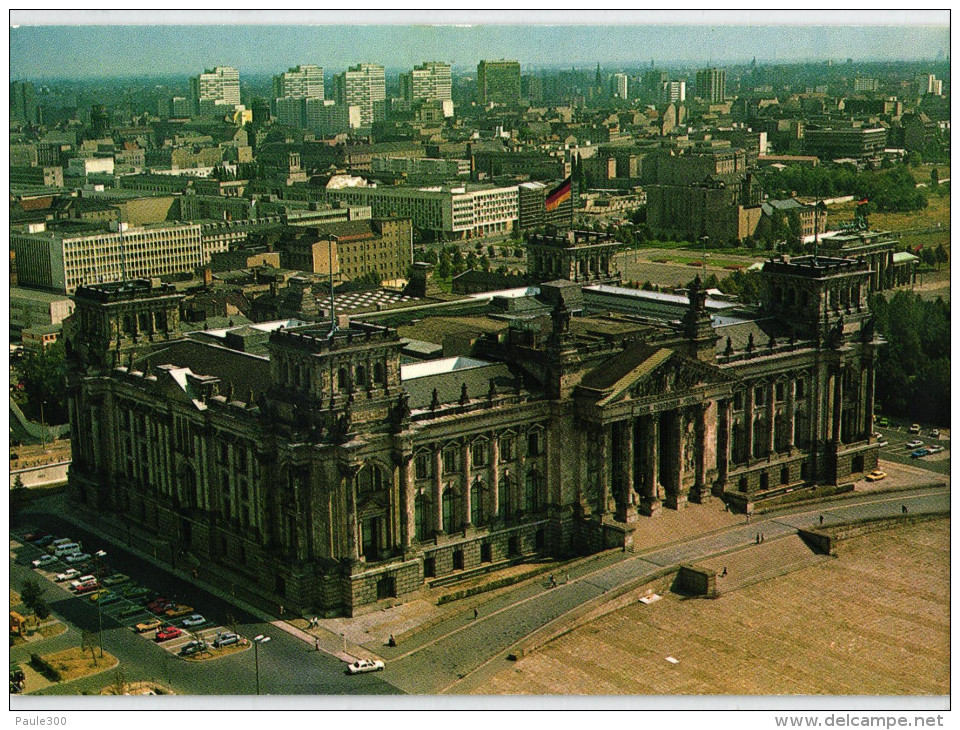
800,387
369,479
785,475
379,374
476,503
451,510
738,401
479,453
421,517
758,394
533,443
362,376
503,499
422,466
506,448
531,493
343,379
780,391
450,461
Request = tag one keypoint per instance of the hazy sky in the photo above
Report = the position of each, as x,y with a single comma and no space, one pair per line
78,51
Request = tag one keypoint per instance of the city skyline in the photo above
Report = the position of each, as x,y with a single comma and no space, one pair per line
49,52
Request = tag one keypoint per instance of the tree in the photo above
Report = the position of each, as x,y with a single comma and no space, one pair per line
934,177
41,609
30,593
119,682
44,376
941,255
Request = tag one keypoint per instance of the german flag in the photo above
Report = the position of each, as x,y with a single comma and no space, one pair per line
559,195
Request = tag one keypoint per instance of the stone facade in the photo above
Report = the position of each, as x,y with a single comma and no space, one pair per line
326,483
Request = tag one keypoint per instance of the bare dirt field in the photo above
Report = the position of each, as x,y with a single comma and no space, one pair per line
873,621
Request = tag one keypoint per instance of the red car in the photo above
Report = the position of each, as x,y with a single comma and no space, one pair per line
170,632
86,588
158,605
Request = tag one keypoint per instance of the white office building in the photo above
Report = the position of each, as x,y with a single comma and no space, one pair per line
429,81
216,92
364,86
302,82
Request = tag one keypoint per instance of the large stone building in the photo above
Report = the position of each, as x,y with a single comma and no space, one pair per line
330,479
498,82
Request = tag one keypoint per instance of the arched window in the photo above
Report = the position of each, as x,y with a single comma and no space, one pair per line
343,379
379,374
421,517
531,493
503,499
451,510
476,503
370,479
361,375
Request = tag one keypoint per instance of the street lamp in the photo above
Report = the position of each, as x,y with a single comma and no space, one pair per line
703,240
257,640
99,554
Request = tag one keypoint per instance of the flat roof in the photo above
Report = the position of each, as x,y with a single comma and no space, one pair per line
36,295
437,367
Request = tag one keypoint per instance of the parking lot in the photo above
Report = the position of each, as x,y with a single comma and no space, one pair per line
120,601
897,437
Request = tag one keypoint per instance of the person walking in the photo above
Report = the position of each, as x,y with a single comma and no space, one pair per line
476,613
316,644
821,519
758,538
724,573
903,509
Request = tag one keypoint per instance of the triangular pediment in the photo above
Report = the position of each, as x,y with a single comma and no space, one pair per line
658,372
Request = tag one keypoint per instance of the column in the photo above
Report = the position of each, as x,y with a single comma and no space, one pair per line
791,414
605,451
651,493
347,483
437,490
748,420
627,510
465,459
675,496
407,507
700,456
725,412
494,477
837,404
772,419
871,386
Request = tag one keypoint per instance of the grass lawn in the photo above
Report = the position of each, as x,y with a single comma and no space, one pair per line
52,628
74,663
936,212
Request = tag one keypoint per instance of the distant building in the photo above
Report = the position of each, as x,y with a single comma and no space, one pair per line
672,92
46,176
30,308
23,102
532,206
810,222
363,86
861,85
498,82
429,81
712,85
302,82
621,81
216,92
859,143
63,259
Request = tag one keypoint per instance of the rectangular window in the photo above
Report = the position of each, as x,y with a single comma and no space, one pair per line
758,396
449,461
800,386
533,443
738,401
422,466
506,448
780,390
479,454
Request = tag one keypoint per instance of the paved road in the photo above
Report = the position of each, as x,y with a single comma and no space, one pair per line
446,658
287,664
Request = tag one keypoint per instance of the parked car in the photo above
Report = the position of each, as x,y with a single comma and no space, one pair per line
76,558
935,433
42,541
70,548
159,605
68,574
934,449
131,611
914,444
883,421
134,592
226,639
364,665
111,598
193,647
193,620
116,579
43,560
98,594
919,453
150,625
178,609
87,588
914,428
876,475
167,633
883,443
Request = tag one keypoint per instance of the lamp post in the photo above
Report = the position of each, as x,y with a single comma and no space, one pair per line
703,241
43,428
99,554
257,640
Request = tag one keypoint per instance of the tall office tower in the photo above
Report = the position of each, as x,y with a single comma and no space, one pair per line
302,82
363,85
23,102
498,82
620,81
711,85
428,81
673,91
216,92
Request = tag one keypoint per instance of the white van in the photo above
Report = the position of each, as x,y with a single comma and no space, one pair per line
61,541
69,549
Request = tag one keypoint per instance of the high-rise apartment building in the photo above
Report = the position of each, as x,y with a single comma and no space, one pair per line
672,92
861,84
23,102
712,84
430,80
620,81
363,85
216,92
302,82
498,82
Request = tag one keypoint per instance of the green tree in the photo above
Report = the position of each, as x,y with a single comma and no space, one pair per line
44,377
31,593
934,177
41,609
941,254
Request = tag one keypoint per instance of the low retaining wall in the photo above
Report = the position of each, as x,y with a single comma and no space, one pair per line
824,541
612,600
696,581
36,476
